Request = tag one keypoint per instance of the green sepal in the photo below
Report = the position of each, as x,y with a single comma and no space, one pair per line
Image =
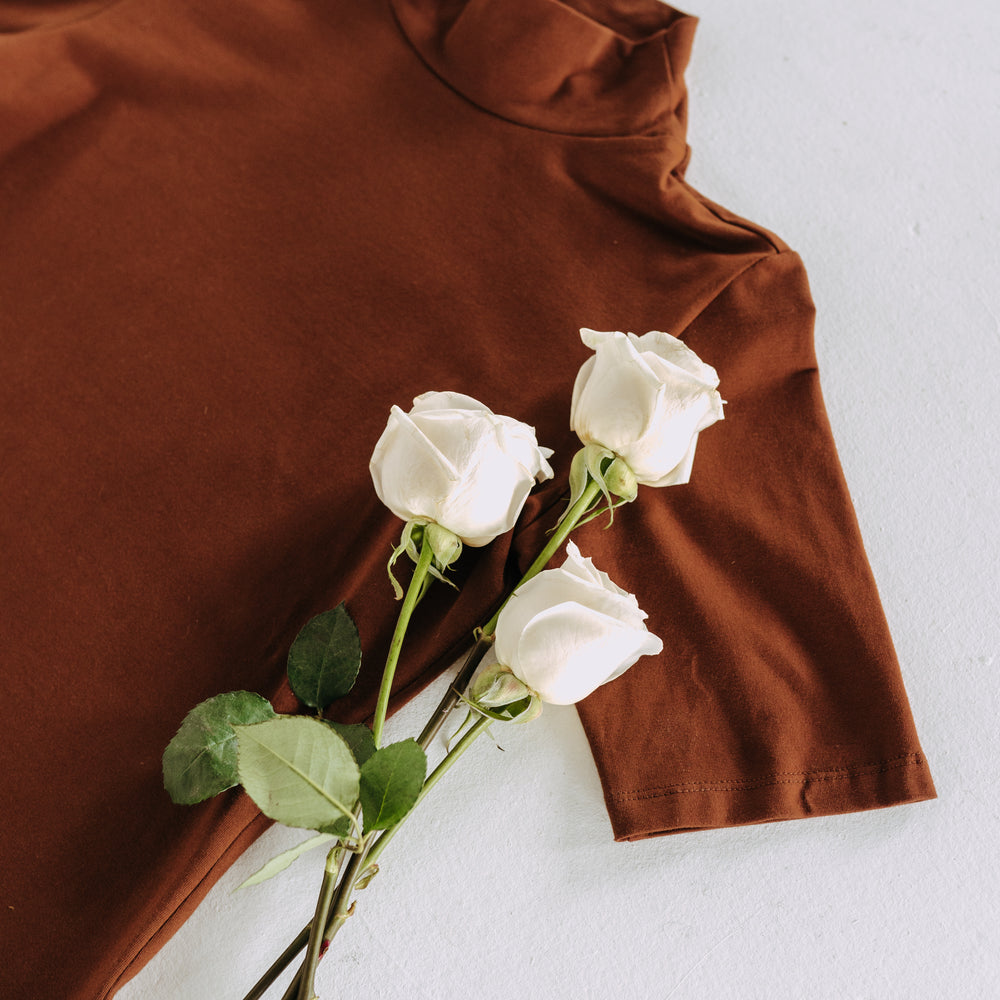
611,474
325,658
579,476
446,548
620,480
200,761
596,512
391,780
433,571
598,458
445,545
409,545
298,771
470,716
524,710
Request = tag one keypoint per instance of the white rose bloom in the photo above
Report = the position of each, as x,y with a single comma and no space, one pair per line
454,462
569,630
646,399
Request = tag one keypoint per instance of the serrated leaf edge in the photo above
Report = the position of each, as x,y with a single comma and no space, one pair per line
322,792
375,822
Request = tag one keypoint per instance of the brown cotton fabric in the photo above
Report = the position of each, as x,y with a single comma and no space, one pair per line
232,235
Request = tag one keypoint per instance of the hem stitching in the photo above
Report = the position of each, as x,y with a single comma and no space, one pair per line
780,778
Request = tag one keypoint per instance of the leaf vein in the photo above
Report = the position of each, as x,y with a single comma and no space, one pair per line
323,793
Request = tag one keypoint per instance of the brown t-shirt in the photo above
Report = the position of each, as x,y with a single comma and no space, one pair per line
231,236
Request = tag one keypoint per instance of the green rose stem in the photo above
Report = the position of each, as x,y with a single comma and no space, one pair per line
307,989
573,517
335,908
280,964
413,595
416,589
475,730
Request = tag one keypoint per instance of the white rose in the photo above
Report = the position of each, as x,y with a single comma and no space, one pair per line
646,399
569,630
454,462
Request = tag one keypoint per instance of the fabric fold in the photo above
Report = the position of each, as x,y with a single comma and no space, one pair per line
557,65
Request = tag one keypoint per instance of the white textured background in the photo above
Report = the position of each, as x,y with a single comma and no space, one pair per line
867,135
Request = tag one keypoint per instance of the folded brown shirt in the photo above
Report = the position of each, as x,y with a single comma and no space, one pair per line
231,236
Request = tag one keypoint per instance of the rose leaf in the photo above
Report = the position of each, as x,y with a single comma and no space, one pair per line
358,737
391,780
325,658
298,771
200,761
281,861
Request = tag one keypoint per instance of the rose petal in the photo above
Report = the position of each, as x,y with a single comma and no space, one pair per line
418,473
487,505
677,354
517,440
645,398
568,651
680,473
453,461
680,410
547,589
582,377
428,401
583,567
615,405
577,581
594,338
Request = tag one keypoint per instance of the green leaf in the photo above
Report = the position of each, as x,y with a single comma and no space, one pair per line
362,745
391,780
298,771
281,861
358,737
325,658
200,761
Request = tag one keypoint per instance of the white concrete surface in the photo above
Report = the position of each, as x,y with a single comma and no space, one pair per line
868,136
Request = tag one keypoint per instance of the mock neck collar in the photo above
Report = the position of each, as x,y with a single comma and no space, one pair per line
583,67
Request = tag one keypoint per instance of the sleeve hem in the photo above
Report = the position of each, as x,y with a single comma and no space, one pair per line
689,806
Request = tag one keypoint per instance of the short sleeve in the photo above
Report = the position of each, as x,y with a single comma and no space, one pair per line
778,694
